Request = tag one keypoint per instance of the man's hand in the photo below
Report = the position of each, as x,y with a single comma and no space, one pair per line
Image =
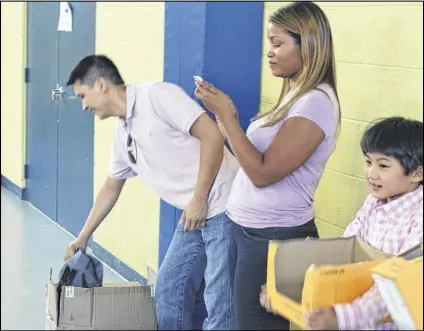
194,214
79,243
322,319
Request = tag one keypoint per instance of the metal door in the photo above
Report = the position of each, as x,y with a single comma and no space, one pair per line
59,134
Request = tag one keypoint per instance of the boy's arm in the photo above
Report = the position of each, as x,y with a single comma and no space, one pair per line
370,308
362,313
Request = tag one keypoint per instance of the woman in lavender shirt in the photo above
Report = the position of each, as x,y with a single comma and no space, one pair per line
283,155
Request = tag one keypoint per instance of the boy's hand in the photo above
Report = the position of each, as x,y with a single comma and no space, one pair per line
265,300
194,214
322,319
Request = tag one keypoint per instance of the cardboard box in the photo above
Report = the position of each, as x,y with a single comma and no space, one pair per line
401,286
306,274
115,306
289,261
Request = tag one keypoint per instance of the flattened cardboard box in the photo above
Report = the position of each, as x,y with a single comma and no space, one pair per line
401,286
115,306
306,274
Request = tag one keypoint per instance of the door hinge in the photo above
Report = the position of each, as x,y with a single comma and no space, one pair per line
26,75
26,168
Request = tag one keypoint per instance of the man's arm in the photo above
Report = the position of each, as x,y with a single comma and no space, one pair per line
211,155
104,203
184,114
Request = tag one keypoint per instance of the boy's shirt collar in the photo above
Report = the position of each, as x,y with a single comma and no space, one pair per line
397,207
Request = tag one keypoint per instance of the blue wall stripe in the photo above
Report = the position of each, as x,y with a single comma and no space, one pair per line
233,54
222,42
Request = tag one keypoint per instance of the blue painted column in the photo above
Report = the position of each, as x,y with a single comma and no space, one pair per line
222,42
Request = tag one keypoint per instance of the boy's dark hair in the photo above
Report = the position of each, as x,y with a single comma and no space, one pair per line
93,67
397,137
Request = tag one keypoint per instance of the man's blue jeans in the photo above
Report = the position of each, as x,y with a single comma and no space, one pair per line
191,257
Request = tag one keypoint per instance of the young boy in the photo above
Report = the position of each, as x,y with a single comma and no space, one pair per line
390,220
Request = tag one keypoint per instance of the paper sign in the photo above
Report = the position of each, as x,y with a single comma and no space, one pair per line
65,17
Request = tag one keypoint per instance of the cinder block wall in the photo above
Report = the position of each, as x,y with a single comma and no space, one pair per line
132,35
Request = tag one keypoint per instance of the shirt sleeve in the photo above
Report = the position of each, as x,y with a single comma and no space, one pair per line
415,236
355,227
317,107
363,313
175,106
118,167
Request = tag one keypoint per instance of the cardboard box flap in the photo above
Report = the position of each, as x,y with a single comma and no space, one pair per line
400,283
52,305
284,303
391,268
121,284
364,252
296,256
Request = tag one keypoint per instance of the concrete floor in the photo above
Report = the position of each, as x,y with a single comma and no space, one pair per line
31,244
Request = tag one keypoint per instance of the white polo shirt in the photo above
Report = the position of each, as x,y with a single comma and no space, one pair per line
159,118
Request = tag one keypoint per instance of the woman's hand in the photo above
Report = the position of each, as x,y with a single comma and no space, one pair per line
216,101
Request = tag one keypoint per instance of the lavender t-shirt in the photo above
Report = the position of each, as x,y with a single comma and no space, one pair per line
288,202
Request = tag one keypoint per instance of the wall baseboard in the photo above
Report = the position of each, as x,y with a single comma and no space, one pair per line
12,187
116,264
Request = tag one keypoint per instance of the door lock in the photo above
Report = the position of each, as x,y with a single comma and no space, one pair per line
58,92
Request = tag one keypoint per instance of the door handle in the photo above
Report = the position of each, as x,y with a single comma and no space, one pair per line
58,92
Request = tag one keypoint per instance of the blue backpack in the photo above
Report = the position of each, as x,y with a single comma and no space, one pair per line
81,270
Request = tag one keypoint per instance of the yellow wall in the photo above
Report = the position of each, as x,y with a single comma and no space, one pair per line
132,35
379,53
13,61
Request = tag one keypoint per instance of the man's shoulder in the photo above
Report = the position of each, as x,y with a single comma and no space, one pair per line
143,87
168,88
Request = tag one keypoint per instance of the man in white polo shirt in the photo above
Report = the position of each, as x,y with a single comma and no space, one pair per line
167,139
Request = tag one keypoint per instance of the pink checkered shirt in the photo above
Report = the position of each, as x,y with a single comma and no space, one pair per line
392,228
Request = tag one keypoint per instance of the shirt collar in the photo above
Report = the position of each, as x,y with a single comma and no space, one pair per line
397,207
131,94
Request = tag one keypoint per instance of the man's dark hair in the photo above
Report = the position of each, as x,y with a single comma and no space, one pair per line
396,137
93,67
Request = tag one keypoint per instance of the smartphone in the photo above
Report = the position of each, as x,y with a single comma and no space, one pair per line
199,81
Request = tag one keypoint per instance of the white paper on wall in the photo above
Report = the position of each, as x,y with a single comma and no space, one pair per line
65,17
